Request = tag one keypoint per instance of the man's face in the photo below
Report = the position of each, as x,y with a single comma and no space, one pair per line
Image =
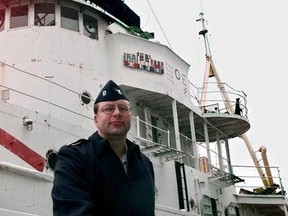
113,118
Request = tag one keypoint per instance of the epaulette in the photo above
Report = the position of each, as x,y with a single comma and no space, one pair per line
80,142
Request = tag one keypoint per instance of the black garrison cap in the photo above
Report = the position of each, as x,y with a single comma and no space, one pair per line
111,92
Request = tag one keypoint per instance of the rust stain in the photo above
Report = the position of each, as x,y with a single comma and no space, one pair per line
2,73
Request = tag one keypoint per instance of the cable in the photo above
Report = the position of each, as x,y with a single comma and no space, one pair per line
159,24
201,6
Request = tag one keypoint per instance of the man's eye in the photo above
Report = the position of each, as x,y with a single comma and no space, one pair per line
108,109
123,109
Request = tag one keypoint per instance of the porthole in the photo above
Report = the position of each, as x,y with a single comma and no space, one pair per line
51,159
90,26
85,97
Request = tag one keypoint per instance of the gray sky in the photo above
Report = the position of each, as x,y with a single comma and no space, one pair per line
248,41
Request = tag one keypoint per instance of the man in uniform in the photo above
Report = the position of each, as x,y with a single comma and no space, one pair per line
106,174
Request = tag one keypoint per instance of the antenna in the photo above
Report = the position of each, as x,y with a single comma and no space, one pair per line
204,32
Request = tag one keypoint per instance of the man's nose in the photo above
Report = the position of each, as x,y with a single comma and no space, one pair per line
116,110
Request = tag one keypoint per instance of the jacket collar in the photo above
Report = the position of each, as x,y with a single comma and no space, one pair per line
100,145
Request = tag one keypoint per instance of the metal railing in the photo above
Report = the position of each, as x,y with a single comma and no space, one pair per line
253,182
216,103
158,136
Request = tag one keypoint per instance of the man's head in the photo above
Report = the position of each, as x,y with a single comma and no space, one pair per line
112,112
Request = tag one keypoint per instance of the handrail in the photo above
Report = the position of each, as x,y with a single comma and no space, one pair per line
221,107
25,171
253,181
166,134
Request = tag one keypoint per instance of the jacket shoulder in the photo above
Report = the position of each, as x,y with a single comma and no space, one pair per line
79,142
75,145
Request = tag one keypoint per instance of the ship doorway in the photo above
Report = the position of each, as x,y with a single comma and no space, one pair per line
154,129
182,186
232,210
208,206
214,207
151,126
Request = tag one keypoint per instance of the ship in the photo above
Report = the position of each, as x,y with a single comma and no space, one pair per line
56,55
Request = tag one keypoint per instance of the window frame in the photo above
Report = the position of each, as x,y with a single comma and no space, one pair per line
53,20
3,19
13,20
65,22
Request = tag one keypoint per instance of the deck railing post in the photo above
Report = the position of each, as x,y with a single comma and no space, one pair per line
138,126
168,138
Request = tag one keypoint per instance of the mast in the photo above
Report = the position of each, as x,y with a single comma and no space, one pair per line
210,71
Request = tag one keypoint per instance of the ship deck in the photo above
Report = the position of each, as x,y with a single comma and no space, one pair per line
269,205
219,125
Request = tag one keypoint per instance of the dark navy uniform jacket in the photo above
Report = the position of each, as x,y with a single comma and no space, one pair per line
89,180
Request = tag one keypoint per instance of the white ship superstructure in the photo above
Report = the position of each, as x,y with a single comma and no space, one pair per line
55,56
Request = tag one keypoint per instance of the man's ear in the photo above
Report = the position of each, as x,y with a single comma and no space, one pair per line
95,119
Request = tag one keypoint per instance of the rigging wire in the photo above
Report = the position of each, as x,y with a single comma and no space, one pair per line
201,6
146,21
196,97
159,24
45,101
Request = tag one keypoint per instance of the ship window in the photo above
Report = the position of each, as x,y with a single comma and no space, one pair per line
2,19
85,97
69,18
19,16
90,26
44,15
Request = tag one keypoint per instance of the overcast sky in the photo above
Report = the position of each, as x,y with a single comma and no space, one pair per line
248,41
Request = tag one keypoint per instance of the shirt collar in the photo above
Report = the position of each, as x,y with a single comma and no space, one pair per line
124,157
